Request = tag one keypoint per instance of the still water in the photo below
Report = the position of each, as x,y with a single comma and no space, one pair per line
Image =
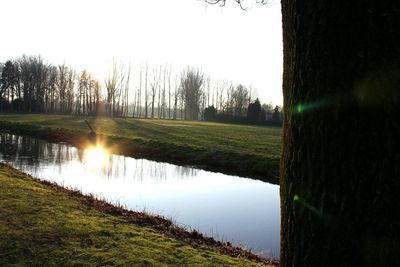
243,211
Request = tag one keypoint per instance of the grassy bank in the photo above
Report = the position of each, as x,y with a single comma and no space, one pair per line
251,151
45,225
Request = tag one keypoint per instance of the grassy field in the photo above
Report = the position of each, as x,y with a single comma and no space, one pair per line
251,151
42,225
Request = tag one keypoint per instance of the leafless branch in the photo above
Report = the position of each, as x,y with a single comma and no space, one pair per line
240,2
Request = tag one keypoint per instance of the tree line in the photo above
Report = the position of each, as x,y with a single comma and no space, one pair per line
30,84
248,113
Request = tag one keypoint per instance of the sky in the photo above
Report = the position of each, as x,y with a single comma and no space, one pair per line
226,43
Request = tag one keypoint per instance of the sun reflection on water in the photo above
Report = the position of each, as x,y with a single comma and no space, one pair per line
95,158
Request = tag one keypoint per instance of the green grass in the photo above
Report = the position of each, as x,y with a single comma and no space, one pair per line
252,151
43,226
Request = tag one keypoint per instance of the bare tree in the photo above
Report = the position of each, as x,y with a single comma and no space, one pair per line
124,109
83,84
114,84
169,93
146,95
192,83
208,88
240,98
159,93
139,100
69,94
52,92
95,84
154,86
62,86
176,97
163,94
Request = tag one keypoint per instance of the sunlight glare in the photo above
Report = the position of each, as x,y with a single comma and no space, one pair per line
95,157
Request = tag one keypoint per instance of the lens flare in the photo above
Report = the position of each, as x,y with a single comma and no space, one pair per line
301,108
326,218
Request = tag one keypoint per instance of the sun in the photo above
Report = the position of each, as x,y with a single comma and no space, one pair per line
95,157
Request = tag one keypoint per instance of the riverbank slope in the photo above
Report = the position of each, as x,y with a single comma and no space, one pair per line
43,224
250,151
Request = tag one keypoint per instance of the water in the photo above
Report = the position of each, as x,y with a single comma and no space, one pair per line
243,211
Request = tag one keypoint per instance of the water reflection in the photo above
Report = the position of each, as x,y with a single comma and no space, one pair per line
28,151
243,211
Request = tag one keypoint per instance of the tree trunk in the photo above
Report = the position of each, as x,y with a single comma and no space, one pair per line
340,166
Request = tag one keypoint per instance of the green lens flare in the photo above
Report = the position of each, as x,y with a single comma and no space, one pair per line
310,106
299,108
326,218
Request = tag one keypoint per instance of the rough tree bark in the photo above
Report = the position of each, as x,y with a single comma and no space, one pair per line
340,166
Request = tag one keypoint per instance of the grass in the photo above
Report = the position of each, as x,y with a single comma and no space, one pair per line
251,151
42,225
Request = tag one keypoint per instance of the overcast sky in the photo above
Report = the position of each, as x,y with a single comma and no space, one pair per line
226,43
